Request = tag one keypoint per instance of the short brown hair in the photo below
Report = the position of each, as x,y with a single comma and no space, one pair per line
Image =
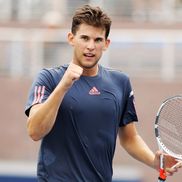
93,16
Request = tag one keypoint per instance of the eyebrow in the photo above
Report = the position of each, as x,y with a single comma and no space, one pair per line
83,35
99,38
86,36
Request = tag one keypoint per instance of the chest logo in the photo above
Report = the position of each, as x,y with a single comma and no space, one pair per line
94,91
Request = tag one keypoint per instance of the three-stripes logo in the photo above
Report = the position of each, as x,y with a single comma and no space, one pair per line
38,94
94,91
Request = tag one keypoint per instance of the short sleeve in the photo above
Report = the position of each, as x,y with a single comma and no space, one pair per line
40,90
129,112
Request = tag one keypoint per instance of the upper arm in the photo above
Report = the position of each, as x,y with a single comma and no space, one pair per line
39,91
127,133
128,114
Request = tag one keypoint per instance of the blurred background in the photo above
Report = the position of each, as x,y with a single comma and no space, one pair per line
146,43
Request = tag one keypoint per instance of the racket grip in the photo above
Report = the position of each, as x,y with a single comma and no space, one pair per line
162,175
161,180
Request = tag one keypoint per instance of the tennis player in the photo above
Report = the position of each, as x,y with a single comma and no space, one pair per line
77,110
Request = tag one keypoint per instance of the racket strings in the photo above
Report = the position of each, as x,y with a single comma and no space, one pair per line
170,125
171,142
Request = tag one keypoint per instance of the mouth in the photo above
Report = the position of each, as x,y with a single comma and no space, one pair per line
89,55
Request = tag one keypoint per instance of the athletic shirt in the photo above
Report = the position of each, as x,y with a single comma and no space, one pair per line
80,147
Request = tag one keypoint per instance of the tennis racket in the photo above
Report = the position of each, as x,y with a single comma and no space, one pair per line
168,131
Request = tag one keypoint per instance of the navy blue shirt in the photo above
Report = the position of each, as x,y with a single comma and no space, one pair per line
80,147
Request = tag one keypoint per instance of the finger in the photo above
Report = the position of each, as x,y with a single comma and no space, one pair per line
76,76
169,161
158,153
78,72
170,171
177,165
75,67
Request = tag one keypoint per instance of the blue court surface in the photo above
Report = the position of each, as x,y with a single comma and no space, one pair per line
26,172
17,179
32,179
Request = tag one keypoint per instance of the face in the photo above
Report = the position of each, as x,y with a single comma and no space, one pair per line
89,43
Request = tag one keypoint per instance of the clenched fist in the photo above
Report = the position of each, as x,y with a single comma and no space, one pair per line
72,74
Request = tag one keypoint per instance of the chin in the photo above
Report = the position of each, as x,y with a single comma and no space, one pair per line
89,66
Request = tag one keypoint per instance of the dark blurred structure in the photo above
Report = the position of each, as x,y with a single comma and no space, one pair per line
34,12
34,32
146,43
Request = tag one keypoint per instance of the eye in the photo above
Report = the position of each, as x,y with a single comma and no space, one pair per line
99,40
85,38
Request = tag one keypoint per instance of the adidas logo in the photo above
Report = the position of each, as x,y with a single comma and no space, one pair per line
94,91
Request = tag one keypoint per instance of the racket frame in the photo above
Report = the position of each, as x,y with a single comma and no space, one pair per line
161,145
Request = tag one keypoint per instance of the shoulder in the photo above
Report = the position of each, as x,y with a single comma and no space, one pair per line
53,71
49,76
115,74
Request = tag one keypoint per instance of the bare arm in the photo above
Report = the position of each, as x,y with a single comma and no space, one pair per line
135,146
42,116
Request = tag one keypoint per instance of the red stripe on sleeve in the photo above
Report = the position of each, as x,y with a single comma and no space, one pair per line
42,94
35,95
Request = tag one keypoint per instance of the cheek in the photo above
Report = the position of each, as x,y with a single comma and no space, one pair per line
78,48
100,49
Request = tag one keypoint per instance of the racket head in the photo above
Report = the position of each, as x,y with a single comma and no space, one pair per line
168,126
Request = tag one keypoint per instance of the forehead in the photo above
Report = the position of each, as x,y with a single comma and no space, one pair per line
90,31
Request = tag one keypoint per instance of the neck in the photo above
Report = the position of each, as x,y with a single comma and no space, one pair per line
91,71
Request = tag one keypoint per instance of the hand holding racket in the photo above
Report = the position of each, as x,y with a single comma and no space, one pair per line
168,132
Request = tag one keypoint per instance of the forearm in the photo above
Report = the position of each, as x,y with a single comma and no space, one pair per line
42,116
135,146
138,149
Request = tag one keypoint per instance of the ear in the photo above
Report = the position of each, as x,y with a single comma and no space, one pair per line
107,43
70,38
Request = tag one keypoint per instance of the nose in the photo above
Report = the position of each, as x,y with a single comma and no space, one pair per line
91,45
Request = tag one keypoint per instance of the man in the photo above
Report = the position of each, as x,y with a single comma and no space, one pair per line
77,110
